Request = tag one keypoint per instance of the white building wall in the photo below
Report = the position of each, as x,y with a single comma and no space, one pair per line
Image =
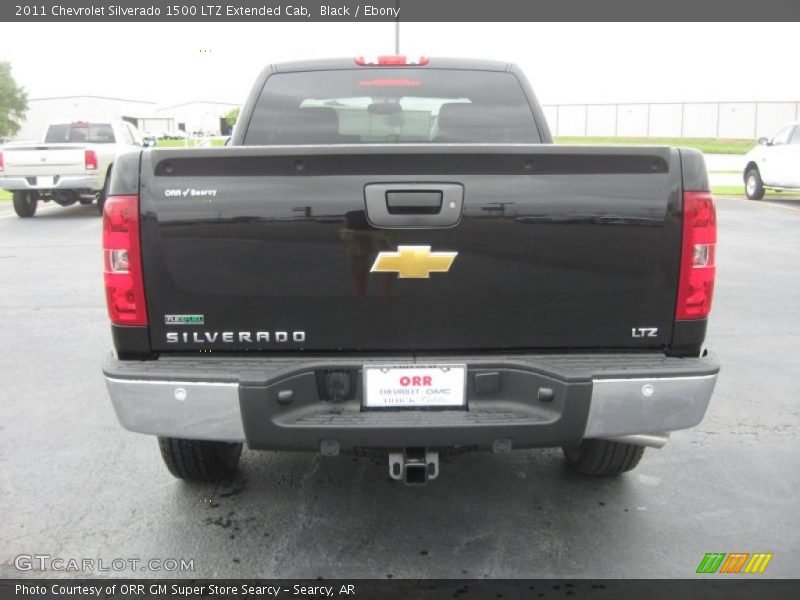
666,120
700,120
43,111
771,117
551,115
735,120
156,125
198,116
632,120
601,120
571,120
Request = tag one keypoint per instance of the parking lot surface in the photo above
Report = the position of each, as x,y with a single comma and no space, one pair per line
74,484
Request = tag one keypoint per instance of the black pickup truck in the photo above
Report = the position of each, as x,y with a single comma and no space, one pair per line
391,257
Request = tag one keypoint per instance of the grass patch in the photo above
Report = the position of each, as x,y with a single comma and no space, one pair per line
738,190
707,145
193,143
4,195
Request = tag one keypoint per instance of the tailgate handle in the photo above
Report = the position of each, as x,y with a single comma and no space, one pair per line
413,205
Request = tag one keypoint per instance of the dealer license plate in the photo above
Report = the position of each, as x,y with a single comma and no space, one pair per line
417,386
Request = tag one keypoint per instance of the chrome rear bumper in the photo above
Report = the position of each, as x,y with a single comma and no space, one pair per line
181,409
638,410
622,407
60,182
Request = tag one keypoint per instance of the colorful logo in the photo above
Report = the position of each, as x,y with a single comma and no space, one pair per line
735,562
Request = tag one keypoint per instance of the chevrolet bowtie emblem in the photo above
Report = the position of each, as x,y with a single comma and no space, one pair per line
413,262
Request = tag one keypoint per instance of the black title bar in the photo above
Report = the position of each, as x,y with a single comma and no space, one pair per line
402,10
710,588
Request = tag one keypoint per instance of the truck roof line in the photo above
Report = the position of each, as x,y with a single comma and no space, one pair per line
336,64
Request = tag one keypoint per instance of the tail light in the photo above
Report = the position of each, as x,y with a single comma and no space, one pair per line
122,258
2,164
391,61
90,160
698,270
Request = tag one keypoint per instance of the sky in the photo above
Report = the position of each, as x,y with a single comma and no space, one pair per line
170,63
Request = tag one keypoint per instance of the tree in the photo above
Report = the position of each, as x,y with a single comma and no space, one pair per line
13,102
232,116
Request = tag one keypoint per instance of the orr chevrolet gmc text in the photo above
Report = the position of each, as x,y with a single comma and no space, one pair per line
393,258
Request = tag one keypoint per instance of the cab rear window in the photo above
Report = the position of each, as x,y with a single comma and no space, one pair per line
396,105
77,133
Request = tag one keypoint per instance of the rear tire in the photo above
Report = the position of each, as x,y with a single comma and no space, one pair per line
601,457
24,204
200,460
753,186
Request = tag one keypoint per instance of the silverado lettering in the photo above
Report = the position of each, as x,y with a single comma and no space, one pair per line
230,337
465,282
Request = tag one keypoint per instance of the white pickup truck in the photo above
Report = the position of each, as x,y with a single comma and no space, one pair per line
73,164
774,163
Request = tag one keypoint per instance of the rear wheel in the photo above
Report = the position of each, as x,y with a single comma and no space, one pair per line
24,204
601,457
200,460
753,186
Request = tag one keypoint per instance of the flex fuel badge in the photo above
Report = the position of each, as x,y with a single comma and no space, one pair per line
184,319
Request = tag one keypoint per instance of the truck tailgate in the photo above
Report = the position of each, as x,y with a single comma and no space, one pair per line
275,248
44,159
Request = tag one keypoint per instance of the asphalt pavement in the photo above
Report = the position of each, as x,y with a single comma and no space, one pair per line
75,485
